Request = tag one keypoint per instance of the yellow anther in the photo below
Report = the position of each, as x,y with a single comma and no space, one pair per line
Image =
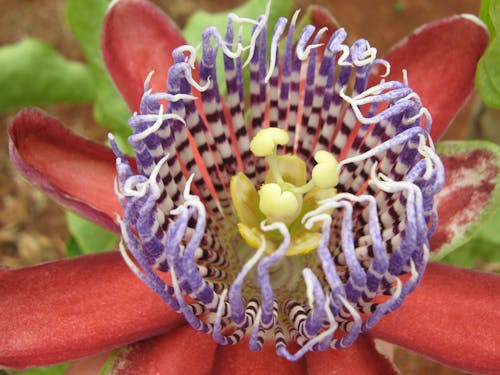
266,141
324,174
278,204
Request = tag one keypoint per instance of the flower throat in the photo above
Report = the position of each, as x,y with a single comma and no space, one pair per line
284,197
313,261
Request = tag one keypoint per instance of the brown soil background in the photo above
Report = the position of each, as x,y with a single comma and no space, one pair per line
33,228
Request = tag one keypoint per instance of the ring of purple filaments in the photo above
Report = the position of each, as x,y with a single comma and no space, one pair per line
178,218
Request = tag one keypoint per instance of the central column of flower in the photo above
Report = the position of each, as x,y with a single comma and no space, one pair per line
286,195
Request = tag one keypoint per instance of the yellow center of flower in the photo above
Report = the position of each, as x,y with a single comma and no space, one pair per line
286,195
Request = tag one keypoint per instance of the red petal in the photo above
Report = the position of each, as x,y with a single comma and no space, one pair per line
238,359
183,351
76,172
452,317
138,38
470,193
74,308
441,59
361,359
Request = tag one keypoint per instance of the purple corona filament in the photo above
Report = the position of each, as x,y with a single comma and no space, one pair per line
373,233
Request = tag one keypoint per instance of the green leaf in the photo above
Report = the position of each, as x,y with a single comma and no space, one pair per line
49,370
200,20
110,362
89,238
85,18
483,248
489,230
34,73
484,14
480,250
72,248
488,68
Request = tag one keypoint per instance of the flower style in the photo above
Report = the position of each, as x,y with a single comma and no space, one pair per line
220,221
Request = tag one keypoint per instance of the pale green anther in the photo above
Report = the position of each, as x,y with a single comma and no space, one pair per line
278,204
324,174
266,141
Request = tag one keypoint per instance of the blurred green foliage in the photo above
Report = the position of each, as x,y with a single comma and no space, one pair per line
34,73
49,370
85,18
482,249
488,68
200,20
87,237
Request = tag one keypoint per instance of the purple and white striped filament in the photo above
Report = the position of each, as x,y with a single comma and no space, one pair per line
189,142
